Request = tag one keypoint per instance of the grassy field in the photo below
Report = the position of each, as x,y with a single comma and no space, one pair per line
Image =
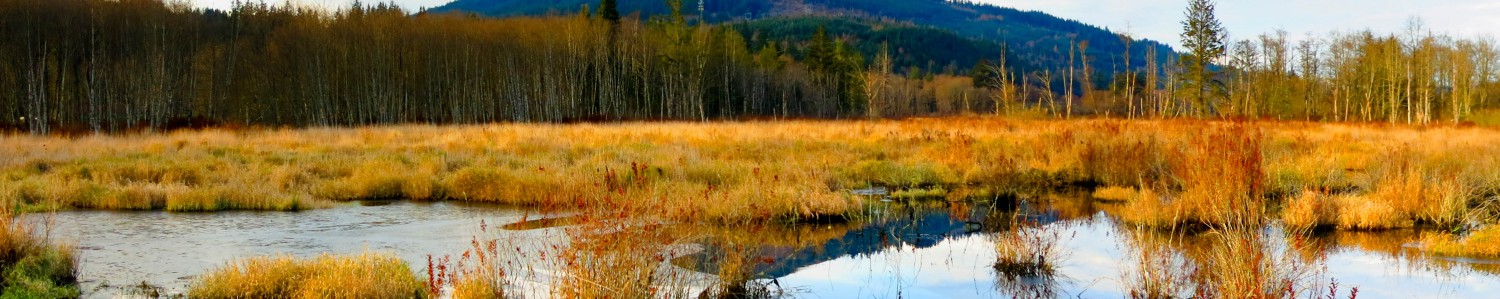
1155,176
1228,177
1166,173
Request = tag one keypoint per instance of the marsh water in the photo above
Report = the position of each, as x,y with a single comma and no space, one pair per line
933,250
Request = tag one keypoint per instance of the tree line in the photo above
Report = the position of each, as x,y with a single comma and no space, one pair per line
106,66
1412,77
116,65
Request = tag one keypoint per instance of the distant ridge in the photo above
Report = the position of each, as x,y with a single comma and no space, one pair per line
1039,39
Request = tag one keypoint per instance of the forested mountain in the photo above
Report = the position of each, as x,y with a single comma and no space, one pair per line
914,50
1035,37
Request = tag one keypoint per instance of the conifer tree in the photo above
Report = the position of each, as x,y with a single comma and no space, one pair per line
609,11
1203,36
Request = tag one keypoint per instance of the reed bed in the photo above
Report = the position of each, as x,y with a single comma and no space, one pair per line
1227,262
1179,172
1028,250
608,255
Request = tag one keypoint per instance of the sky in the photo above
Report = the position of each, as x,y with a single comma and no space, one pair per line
1160,20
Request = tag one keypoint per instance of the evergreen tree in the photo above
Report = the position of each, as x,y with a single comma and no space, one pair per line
609,11
820,51
769,58
1203,36
983,73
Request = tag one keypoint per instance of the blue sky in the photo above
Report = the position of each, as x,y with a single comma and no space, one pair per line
1159,19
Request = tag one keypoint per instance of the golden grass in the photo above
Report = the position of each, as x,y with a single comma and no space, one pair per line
366,275
1208,172
33,267
1481,243
1310,210
610,256
1227,262
1116,194
617,259
1027,251
1157,269
1245,263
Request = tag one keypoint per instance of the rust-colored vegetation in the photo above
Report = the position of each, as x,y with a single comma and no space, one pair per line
1165,173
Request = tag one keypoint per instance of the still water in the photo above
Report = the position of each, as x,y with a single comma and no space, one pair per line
899,251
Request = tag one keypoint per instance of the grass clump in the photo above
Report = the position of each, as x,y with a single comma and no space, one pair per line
1116,194
1310,210
921,194
1214,179
610,261
1158,270
502,185
1225,262
902,175
1029,250
367,275
1481,243
31,266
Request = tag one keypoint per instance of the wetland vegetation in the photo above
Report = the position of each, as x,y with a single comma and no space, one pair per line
634,187
291,152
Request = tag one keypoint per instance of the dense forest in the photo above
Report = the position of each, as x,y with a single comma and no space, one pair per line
1410,77
109,66
96,65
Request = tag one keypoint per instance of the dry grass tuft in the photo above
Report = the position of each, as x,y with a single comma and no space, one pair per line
1158,270
616,259
1481,243
1028,251
1228,262
1310,210
1116,194
33,266
367,275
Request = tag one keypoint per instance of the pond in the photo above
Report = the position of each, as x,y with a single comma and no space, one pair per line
121,250
932,250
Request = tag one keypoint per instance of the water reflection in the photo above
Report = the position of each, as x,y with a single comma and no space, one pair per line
890,226
945,250
128,252
908,250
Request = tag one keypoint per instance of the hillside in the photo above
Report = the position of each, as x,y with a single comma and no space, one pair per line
910,46
1038,38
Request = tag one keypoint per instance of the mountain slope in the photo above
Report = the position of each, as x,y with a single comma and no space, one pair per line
922,47
1037,38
